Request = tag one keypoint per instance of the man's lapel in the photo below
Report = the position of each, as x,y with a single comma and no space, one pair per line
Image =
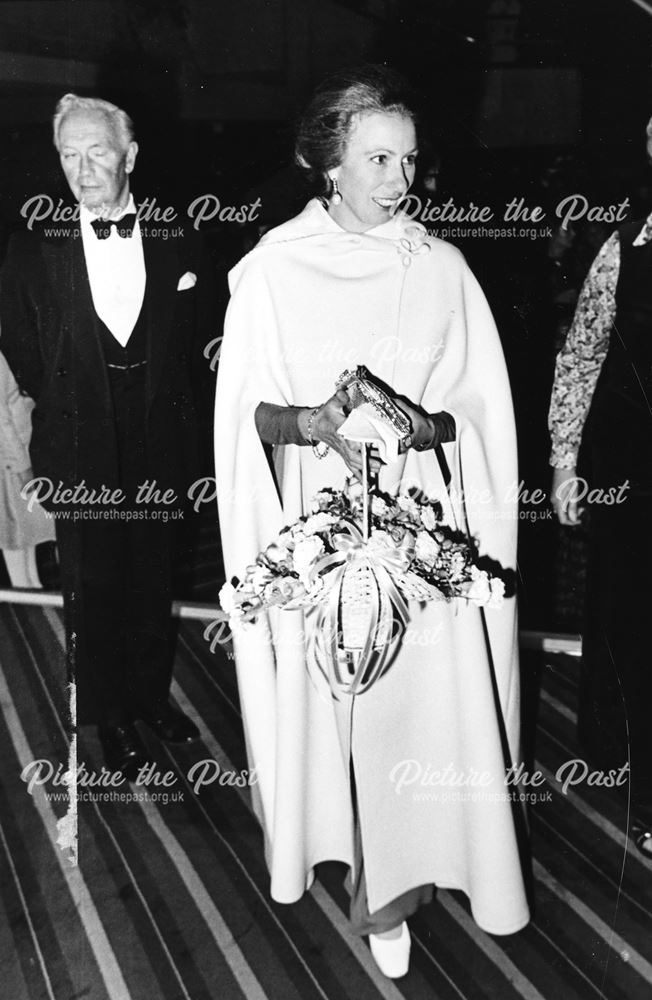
70,279
161,266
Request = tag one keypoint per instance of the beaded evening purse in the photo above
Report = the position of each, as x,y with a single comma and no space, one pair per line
361,388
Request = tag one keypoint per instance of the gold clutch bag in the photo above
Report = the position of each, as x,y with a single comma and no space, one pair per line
361,388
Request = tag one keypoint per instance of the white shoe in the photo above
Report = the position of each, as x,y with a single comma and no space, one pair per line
392,956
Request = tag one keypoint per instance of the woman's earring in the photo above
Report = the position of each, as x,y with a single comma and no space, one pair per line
336,197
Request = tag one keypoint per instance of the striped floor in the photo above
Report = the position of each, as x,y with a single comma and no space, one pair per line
170,898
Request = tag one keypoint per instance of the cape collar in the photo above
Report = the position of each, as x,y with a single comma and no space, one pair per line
314,220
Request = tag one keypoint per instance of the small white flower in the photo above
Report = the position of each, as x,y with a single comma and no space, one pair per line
306,552
260,576
286,539
410,507
479,592
227,598
428,518
277,553
319,522
457,563
379,507
497,593
426,548
321,501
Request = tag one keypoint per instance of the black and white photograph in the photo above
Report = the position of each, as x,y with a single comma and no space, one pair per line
326,441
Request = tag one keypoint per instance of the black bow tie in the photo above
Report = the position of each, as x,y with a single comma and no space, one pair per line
124,226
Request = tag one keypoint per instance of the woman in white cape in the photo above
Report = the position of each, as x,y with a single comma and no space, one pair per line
404,783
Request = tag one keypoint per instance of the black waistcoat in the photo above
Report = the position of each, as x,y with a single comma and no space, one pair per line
126,368
628,366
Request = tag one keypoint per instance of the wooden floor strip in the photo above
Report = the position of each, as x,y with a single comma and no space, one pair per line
242,972
38,959
101,948
492,950
613,940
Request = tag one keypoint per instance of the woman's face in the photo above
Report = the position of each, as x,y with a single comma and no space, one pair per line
376,171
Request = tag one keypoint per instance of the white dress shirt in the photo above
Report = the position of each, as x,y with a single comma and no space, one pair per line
116,272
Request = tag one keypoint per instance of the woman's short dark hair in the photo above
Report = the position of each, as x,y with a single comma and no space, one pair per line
326,124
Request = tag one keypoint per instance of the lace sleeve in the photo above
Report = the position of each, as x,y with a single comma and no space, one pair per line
580,361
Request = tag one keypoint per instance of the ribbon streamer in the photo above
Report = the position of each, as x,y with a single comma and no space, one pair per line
327,664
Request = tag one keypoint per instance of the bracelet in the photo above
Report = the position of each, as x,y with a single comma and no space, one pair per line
319,448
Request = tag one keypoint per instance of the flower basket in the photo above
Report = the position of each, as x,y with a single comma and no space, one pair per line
352,565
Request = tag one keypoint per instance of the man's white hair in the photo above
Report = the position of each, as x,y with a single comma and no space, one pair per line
119,119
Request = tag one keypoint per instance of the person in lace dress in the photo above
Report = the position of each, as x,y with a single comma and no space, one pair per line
601,427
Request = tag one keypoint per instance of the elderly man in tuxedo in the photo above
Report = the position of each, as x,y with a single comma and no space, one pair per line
99,322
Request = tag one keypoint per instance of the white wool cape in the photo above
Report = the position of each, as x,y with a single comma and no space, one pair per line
430,741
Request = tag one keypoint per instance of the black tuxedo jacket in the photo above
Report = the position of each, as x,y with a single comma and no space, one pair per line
50,337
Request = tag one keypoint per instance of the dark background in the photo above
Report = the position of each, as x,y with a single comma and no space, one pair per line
526,98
